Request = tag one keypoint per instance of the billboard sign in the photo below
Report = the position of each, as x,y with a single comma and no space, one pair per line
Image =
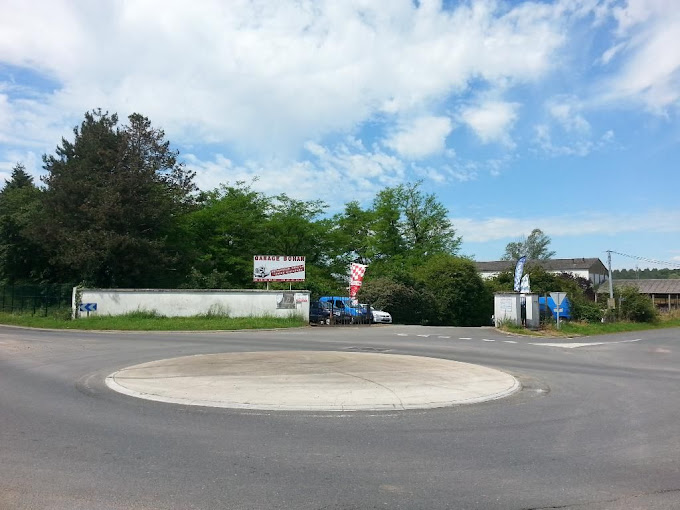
278,268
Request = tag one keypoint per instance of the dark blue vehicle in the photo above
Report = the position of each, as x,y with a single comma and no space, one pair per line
319,313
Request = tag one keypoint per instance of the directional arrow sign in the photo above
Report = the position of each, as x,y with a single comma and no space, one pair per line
88,307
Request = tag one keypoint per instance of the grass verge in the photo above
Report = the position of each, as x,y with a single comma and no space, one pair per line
151,322
571,329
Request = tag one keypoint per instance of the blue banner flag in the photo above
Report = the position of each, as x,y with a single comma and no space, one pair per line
519,269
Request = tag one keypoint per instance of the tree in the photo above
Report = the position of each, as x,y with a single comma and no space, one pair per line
20,257
294,227
425,224
222,236
535,247
20,179
352,235
112,197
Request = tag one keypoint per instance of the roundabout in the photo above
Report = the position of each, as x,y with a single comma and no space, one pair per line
313,381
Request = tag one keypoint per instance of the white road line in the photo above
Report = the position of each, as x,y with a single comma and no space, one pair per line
465,338
443,337
424,336
402,334
487,340
575,345
509,341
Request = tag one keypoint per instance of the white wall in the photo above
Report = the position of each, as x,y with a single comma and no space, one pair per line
185,303
507,307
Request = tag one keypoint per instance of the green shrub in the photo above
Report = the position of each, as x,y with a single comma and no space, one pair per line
405,303
636,307
586,311
462,298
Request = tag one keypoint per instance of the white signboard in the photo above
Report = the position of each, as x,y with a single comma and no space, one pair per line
278,268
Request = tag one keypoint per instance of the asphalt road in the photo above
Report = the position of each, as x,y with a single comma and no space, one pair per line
595,427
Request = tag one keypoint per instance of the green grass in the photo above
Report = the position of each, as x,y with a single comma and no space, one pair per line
145,321
588,329
570,329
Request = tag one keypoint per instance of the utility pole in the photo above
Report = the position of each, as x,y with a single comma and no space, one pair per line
609,263
610,302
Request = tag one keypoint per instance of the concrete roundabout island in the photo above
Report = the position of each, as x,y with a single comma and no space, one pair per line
313,381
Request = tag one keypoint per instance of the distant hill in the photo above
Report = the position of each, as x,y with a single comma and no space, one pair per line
645,274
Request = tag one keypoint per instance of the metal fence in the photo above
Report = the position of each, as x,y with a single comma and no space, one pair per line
35,299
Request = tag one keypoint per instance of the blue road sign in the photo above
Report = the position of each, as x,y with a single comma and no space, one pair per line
88,307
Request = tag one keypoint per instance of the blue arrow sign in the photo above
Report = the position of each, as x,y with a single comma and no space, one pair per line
88,307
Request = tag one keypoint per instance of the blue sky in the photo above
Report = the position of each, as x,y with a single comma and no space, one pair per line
560,115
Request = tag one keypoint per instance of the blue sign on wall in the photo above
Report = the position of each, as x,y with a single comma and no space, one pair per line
88,307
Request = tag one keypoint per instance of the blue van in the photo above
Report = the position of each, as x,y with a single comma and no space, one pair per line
565,306
346,309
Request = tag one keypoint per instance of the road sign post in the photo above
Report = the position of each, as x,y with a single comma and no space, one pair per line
558,297
88,307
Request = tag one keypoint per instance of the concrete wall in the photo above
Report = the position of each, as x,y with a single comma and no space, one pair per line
185,303
507,308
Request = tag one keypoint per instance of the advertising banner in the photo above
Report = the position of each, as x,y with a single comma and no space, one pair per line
356,278
519,269
278,268
525,286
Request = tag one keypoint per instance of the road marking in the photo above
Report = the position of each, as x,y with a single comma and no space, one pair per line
575,345
424,336
465,338
509,341
402,334
443,337
487,340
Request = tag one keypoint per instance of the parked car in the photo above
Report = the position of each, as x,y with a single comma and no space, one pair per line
319,313
379,316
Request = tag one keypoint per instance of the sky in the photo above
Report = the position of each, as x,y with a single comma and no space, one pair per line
560,115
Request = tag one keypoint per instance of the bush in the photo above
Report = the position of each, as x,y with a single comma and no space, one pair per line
404,302
586,311
462,298
636,307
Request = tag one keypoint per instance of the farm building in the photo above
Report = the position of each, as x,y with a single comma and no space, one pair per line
665,294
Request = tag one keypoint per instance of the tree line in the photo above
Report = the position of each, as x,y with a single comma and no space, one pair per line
645,274
117,208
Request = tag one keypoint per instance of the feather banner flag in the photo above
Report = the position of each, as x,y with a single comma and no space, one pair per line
525,287
356,278
519,269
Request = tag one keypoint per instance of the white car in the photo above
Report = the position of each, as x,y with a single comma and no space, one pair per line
378,315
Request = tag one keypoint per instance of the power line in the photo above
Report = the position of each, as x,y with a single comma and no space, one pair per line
651,261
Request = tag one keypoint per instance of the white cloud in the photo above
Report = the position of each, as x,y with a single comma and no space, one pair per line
649,70
566,112
579,146
422,137
492,120
496,228
337,175
266,76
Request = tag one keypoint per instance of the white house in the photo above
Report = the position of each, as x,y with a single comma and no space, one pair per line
589,268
